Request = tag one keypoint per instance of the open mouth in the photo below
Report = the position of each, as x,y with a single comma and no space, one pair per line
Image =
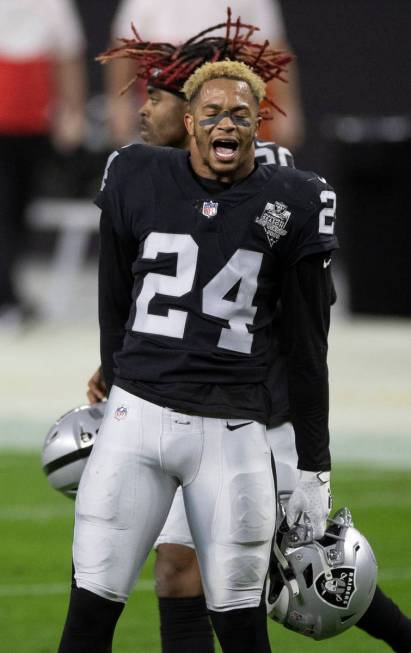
225,149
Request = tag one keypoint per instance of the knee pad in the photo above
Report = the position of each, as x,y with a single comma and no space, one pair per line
246,513
245,570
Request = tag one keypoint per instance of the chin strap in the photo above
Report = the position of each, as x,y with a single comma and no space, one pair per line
301,534
286,571
324,563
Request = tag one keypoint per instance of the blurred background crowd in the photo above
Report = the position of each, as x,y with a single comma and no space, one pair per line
348,118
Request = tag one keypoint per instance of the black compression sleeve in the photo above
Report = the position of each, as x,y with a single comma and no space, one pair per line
185,626
384,620
306,296
115,286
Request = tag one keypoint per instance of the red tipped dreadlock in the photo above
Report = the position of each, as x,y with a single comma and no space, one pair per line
167,66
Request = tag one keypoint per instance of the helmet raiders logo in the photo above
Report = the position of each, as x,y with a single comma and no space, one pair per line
338,590
273,220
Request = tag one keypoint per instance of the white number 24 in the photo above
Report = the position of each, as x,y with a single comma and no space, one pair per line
242,268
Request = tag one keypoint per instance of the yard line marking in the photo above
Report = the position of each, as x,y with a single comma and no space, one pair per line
147,585
45,513
394,574
371,500
35,513
34,590
53,589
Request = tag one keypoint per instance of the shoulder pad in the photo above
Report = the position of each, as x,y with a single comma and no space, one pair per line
106,169
303,187
130,158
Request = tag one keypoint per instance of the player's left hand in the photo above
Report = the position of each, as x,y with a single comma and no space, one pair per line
96,388
311,496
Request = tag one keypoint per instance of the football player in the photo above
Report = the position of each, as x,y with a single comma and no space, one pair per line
197,249
184,620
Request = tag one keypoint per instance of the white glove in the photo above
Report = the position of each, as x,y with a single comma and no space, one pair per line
311,496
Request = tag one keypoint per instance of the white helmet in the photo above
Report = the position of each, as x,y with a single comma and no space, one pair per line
68,445
321,588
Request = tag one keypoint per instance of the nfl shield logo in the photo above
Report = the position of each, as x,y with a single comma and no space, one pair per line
209,209
121,413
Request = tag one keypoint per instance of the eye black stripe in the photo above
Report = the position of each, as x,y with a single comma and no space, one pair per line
214,120
67,459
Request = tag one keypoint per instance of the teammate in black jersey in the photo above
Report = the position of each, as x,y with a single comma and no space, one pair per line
383,618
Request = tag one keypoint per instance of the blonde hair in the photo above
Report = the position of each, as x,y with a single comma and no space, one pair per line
224,69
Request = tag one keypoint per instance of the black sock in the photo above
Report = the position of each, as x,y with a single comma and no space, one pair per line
185,625
243,630
90,623
384,620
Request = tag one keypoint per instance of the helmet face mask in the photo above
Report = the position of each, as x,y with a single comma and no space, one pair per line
321,588
67,447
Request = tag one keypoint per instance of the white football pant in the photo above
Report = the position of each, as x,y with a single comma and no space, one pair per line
282,442
142,454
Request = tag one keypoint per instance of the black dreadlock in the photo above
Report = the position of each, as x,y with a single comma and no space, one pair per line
168,66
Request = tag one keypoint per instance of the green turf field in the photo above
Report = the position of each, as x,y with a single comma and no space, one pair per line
35,528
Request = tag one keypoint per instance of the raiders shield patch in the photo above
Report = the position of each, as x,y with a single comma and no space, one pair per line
273,220
338,590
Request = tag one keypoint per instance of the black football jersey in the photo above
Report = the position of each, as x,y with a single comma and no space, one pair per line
267,152
207,274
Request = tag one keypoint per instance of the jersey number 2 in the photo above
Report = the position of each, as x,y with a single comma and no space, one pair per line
327,213
242,269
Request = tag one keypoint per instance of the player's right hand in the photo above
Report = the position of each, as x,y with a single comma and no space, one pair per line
97,390
311,497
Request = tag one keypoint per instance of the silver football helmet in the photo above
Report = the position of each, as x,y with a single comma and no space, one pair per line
321,588
68,445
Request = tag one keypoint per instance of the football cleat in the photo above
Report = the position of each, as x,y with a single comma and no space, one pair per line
67,447
320,588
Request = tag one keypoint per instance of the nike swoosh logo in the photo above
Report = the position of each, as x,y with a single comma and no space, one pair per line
233,427
326,263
